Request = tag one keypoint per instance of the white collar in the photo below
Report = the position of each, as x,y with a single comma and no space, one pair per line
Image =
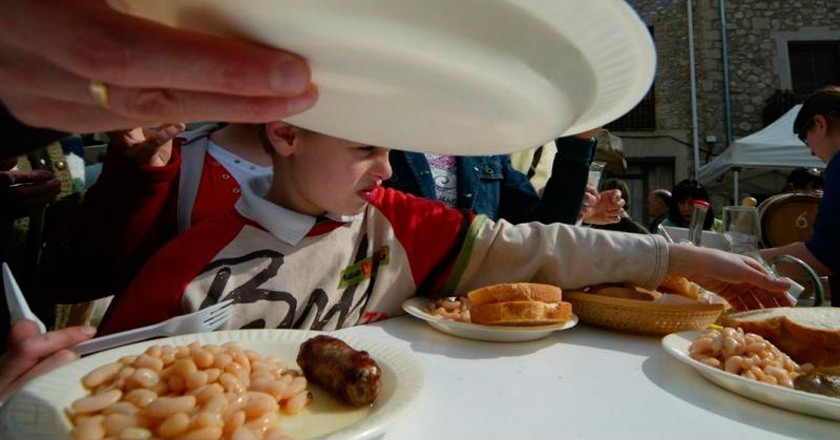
285,224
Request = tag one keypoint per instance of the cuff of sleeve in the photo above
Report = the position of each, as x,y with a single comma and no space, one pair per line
576,149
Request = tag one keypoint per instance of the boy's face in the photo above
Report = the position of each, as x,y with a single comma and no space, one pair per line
316,173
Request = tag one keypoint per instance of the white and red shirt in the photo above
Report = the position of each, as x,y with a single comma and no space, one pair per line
284,269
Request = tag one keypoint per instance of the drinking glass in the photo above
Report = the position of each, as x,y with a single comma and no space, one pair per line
742,229
596,169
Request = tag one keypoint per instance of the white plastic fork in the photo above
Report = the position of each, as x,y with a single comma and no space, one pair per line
18,308
204,320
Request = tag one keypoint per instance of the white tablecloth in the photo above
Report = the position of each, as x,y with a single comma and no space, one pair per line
579,383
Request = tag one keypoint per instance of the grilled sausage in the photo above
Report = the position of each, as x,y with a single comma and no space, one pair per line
348,374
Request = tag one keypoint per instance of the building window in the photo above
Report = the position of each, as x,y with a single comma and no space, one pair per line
643,116
813,65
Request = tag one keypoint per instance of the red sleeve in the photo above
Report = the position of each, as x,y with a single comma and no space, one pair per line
155,293
126,216
430,232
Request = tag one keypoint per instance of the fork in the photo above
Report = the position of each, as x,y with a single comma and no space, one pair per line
204,320
18,309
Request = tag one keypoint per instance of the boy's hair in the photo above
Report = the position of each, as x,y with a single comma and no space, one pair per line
826,102
264,141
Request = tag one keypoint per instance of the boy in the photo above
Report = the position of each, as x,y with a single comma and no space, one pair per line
322,245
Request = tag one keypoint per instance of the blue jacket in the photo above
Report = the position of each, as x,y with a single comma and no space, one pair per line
489,185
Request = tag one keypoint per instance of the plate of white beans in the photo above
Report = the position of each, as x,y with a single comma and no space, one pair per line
98,396
764,382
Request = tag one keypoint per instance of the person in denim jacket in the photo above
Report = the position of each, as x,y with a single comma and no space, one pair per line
490,185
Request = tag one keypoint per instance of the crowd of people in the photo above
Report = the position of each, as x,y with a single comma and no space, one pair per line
278,217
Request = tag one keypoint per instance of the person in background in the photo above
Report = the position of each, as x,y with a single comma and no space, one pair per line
491,186
658,202
680,209
805,180
818,125
83,67
151,189
39,193
322,245
626,224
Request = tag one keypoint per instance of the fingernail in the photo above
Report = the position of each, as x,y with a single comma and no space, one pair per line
88,330
291,76
302,102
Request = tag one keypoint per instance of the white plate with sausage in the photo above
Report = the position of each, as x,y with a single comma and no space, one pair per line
494,333
677,345
457,77
38,410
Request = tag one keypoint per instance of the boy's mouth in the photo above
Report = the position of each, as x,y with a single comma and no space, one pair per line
368,193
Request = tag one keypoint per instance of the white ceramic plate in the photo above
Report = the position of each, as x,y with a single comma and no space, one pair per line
417,307
37,411
676,344
456,77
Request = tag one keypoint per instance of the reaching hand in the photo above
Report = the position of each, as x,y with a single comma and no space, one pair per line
23,192
602,209
146,146
30,354
740,280
83,67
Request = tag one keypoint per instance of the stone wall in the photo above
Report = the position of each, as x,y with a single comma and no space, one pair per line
757,36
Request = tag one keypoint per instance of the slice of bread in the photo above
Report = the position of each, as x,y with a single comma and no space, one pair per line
515,292
680,285
524,313
809,335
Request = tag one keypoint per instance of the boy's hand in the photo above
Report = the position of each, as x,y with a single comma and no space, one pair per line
23,192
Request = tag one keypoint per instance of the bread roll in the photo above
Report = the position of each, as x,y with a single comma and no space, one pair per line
807,335
525,304
515,292
525,313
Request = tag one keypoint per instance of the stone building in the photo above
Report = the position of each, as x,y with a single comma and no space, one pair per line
774,53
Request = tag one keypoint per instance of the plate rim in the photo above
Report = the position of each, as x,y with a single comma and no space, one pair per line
676,344
409,386
413,309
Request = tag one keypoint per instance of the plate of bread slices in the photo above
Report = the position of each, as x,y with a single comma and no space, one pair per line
785,357
676,305
505,312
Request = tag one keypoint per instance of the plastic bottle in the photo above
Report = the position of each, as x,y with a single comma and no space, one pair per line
698,218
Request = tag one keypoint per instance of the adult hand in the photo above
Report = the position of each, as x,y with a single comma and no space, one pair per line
602,208
740,280
55,57
23,192
146,146
30,353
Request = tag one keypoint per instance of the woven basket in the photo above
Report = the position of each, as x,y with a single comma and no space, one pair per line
643,317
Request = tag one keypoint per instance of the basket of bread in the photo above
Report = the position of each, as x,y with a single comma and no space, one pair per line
677,305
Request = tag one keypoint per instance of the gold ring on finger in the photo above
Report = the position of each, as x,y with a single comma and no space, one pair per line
99,93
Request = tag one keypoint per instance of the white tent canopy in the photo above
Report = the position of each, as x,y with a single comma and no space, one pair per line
772,147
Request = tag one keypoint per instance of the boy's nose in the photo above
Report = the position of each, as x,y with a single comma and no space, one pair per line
382,169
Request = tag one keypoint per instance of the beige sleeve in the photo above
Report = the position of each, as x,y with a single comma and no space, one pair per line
568,256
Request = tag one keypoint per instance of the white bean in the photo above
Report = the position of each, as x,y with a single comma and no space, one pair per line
96,402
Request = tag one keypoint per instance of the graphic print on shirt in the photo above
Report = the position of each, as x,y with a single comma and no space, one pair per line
250,289
444,170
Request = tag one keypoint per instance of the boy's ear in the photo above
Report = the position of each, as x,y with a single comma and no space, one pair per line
282,136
